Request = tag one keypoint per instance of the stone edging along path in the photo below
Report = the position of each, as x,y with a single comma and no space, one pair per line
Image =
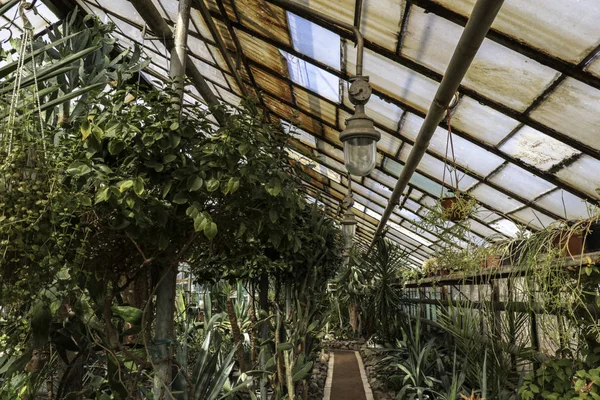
341,386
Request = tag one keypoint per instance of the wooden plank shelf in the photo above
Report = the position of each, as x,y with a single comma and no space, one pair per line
485,275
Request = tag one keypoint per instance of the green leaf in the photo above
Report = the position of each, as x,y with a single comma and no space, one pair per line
200,223
210,230
166,189
273,216
129,314
115,146
86,130
180,198
174,126
78,168
124,185
169,158
194,183
242,230
244,148
274,187
212,185
284,346
233,184
102,195
303,372
138,186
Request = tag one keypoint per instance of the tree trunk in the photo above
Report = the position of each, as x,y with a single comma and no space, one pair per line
237,334
164,330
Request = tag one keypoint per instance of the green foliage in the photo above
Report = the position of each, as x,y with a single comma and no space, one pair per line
560,379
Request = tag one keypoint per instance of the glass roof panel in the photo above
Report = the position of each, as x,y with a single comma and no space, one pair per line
331,151
394,79
216,54
377,187
531,218
468,155
199,24
435,168
494,198
210,72
341,10
314,41
584,174
566,29
486,215
262,53
300,134
393,167
265,18
506,226
481,122
567,205
496,72
315,166
272,84
313,77
578,101
381,20
314,105
388,143
412,205
330,162
482,229
410,234
594,67
409,215
537,149
521,182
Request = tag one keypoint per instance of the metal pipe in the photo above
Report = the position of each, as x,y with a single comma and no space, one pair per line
157,24
301,9
179,50
484,13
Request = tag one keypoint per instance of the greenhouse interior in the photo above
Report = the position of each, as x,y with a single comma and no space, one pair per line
299,199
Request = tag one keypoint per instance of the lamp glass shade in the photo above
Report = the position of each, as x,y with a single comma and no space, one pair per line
348,231
360,155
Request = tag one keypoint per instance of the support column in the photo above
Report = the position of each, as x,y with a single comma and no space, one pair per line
165,292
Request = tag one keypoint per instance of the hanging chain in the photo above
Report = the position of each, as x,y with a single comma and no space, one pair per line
348,202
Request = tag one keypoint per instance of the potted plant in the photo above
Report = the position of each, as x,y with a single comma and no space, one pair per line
457,207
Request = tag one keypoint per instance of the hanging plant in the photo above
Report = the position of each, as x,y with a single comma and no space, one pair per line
457,207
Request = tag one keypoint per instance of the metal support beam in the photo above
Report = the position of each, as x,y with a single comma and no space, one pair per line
158,25
484,13
220,43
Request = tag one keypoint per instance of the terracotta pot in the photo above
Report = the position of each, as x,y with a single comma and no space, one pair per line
491,262
571,244
450,211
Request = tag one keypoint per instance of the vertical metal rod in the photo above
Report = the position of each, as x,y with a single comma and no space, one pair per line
482,17
165,291
179,50
159,26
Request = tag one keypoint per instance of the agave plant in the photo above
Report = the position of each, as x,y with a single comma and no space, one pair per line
384,266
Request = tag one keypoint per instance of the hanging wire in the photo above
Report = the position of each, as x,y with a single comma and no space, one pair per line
450,146
26,39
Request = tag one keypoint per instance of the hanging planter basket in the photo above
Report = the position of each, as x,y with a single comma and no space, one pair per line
457,208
